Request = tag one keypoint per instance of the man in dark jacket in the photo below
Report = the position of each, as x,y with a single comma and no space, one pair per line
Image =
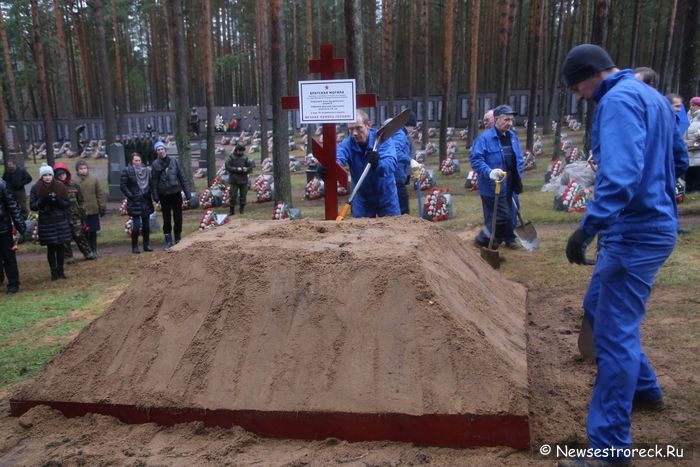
9,214
168,181
238,167
16,178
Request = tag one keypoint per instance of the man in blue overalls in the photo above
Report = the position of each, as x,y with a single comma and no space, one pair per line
634,216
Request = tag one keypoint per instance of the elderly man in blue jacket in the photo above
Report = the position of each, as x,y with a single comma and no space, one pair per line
496,155
377,196
634,216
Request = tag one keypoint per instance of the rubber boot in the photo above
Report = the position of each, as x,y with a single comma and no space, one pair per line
135,243
242,210
147,241
168,241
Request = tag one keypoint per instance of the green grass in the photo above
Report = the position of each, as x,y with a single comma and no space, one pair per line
23,361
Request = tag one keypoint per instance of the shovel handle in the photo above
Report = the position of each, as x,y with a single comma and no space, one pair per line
343,212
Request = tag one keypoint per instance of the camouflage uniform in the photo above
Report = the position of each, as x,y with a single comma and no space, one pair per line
76,217
238,167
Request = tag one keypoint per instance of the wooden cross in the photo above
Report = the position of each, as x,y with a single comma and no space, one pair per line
327,67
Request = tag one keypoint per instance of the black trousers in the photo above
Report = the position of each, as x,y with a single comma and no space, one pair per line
171,206
9,259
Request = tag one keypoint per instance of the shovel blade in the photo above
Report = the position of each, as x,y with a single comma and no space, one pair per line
491,257
528,236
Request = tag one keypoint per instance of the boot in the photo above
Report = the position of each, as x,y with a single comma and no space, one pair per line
92,240
52,264
59,271
177,238
147,241
242,210
135,243
54,274
168,241
231,211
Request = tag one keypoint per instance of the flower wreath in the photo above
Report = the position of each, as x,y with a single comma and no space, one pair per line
314,189
437,205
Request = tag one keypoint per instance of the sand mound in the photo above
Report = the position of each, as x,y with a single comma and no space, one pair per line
364,316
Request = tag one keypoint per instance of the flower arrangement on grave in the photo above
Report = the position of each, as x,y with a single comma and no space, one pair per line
575,197
263,186
447,167
529,160
436,206
208,220
342,191
217,189
425,180
266,165
219,124
555,169
35,233
538,147
680,191
281,211
575,155
122,208
314,189
472,182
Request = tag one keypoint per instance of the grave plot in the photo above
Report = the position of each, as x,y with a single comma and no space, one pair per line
383,329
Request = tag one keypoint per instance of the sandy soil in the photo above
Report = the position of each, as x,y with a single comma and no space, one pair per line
559,383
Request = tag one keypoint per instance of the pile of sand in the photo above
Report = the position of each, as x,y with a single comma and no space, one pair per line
365,316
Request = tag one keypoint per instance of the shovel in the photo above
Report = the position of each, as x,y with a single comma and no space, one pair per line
488,253
526,232
383,134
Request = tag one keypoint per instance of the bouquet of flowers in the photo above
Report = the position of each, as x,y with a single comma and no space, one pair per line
575,197
122,208
437,205
210,220
129,227
425,179
266,165
263,187
280,212
555,169
314,189
680,190
447,166
472,182
530,160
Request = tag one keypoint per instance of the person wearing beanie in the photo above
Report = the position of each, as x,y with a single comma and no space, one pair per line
168,181
634,215
76,214
49,198
238,166
16,178
692,140
496,156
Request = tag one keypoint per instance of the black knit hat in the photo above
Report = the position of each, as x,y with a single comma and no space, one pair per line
584,61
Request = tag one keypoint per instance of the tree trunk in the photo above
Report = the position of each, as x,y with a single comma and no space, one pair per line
280,157
635,31
473,69
263,49
426,70
665,69
118,80
182,100
42,85
537,8
355,43
172,91
689,56
209,88
507,18
388,54
447,75
17,106
4,145
106,80
65,96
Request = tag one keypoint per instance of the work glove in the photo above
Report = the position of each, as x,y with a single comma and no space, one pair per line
322,172
373,159
497,174
576,247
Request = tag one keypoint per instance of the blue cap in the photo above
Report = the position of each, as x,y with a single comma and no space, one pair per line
504,110
159,144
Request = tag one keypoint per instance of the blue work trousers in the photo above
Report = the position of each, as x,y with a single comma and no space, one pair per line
615,305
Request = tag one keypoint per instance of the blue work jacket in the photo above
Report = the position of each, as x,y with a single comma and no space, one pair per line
487,154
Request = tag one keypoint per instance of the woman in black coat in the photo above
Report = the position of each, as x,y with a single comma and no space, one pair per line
136,186
49,198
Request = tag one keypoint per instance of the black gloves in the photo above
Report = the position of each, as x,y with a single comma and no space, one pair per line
322,172
52,197
373,159
576,247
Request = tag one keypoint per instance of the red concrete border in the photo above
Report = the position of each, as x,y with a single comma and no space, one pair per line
461,430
